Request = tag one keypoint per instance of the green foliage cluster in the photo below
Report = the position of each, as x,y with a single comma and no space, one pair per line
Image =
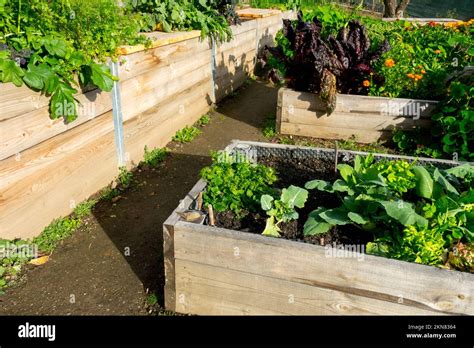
170,15
154,157
186,134
234,184
452,124
56,47
433,208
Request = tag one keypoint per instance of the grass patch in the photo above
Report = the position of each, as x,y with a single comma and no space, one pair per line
203,121
187,134
154,157
269,127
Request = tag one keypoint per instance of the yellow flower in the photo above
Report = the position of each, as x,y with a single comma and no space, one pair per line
437,51
389,63
366,83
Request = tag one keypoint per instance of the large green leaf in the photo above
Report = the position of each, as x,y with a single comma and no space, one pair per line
37,76
320,185
266,202
440,179
424,182
346,172
62,103
403,212
357,218
294,196
56,46
11,72
315,225
101,76
336,216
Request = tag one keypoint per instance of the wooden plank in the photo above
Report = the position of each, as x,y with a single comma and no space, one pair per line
237,42
353,120
43,183
16,101
159,39
244,62
419,286
24,131
360,104
143,92
361,136
256,13
209,290
168,246
243,27
158,125
229,84
142,62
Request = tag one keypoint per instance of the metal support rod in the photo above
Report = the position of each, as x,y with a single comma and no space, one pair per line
213,70
118,118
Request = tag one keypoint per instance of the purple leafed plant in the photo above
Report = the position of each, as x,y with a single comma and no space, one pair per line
326,66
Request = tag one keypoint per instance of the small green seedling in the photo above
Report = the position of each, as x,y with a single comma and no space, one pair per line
283,209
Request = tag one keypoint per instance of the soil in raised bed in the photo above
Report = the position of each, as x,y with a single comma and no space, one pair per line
298,172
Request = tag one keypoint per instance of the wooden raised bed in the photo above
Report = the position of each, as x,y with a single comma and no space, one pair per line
47,166
215,271
368,119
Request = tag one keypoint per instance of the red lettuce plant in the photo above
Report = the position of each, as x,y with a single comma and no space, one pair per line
326,66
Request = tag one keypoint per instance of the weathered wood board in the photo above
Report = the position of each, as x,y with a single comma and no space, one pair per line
368,119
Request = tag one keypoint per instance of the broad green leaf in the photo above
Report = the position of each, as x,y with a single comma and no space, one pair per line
321,185
346,172
294,196
36,76
266,202
357,218
11,72
271,229
461,171
424,182
403,212
56,46
63,104
440,179
315,225
336,216
101,77
341,186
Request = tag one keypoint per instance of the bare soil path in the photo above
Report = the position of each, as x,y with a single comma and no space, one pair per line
89,273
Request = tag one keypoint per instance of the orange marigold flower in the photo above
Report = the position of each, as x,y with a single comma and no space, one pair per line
423,71
418,77
437,51
366,83
389,63
432,24
411,76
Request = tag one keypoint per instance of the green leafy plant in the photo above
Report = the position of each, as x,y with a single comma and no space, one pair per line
211,17
187,134
282,209
234,184
56,47
203,121
154,157
125,178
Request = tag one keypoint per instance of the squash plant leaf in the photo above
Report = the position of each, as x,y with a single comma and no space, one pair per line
294,196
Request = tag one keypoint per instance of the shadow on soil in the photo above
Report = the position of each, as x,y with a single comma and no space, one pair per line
135,227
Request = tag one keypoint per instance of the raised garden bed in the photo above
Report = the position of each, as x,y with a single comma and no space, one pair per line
212,270
367,118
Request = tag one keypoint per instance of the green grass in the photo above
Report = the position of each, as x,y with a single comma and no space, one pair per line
187,134
203,121
269,129
154,157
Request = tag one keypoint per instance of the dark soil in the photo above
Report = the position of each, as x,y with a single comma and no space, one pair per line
298,172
